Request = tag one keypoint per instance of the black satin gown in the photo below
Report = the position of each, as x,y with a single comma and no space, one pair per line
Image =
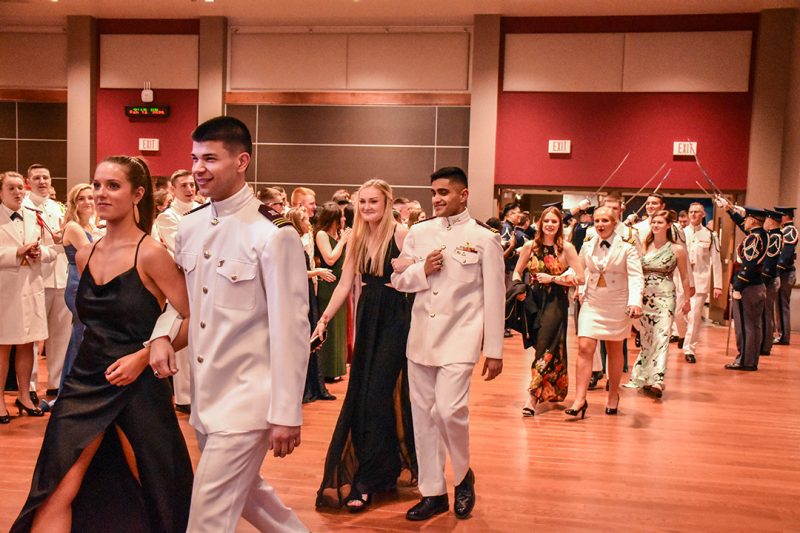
373,442
119,316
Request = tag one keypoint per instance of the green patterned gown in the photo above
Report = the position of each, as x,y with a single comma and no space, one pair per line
658,306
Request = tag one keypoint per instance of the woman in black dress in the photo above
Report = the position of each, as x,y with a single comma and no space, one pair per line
373,441
113,456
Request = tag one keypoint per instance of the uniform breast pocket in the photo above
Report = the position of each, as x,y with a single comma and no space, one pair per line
186,261
236,285
464,267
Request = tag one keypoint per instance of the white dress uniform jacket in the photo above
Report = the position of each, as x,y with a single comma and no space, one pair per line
167,222
249,330
23,317
55,273
462,304
703,252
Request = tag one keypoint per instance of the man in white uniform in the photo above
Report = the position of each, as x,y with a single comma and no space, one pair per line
59,318
457,275
703,250
184,189
248,337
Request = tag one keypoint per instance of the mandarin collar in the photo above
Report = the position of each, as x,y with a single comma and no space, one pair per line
182,206
234,203
460,218
37,200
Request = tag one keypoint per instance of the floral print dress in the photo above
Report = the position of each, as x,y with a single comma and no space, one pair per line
549,381
658,307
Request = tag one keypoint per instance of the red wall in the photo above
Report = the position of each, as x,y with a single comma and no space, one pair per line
603,127
118,134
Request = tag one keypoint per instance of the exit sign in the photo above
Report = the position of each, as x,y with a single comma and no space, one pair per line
559,146
148,145
684,148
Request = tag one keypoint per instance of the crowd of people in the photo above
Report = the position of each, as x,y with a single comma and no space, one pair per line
236,307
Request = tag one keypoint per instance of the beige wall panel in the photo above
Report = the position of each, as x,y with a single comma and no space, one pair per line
687,62
288,62
166,61
409,61
559,62
33,61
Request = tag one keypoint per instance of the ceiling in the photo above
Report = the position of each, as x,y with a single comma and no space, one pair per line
362,12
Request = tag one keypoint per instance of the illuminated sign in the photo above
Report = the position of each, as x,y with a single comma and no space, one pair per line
147,110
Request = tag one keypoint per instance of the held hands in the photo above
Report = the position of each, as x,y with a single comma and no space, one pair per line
686,307
634,311
400,264
434,262
544,279
325,274
284,439
162,358
125,370
491,368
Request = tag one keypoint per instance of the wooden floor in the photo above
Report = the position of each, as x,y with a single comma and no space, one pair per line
720,452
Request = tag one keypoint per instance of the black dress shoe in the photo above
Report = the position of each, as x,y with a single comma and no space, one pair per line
184,408
594,379
737,366
690,358
5,419
680,343
326,396
429,506
673,339
465,496
51,392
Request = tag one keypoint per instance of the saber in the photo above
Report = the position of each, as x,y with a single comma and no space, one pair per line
660,183
714,187
705,191
637,193
730,316
612,174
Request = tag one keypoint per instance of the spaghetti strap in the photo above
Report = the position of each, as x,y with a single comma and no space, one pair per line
92,253
136,257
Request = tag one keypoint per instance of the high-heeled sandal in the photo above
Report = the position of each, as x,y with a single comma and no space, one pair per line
581,410
30,411
613,410
356,496
527,412
5,419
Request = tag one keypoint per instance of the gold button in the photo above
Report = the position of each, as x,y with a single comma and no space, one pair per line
206,254
433,315
214,221
234,277
449,228
200,359
435,293
205,290
221,262
202,325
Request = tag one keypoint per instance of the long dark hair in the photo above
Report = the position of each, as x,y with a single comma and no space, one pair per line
139,176
666,215
330,215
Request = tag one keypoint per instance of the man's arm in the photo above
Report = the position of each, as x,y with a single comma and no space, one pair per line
413,278
167,224
286,286
493,271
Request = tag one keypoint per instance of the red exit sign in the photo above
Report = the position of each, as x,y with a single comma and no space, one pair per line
684,148
147,110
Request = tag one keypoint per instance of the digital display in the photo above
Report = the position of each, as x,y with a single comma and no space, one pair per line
147,110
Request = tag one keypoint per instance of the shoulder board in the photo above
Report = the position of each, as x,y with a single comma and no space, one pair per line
482,224
426,220
273,216
199,208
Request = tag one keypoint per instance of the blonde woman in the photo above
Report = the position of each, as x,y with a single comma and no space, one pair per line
78,232
370,445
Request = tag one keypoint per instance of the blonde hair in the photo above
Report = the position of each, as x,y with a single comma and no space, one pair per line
366,262
72,202
295,216
299,193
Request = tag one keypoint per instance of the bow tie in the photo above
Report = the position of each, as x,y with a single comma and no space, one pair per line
605,244
15,216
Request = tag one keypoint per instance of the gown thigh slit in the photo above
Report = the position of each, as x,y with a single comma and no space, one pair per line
119,316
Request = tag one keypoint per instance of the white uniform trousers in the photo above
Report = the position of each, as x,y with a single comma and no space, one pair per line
182,381
440,410
227,485
59,329
695,318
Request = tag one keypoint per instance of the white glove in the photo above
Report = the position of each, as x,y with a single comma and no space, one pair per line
584,204
737,295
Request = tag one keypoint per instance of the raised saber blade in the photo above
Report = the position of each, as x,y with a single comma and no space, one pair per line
702,189
637,193
704,173
612,174
660,183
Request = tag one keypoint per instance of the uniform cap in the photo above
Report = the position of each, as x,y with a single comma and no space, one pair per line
557,205
755,212
788,211
774,215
